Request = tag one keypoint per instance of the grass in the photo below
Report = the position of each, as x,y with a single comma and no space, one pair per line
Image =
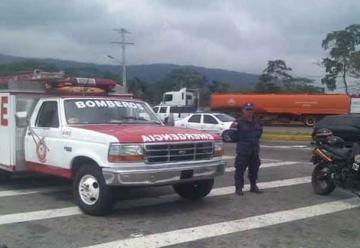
294,136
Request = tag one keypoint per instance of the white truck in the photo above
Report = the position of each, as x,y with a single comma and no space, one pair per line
176,105
100,141
183,97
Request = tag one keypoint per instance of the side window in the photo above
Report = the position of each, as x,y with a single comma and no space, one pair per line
156,109
195,119
175,110
208,119
168,98
163,110
48,115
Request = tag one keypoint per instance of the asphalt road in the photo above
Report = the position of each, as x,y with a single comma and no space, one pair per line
39,212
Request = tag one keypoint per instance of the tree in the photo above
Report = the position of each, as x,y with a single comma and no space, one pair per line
276,77
301,84
217,86
344,56
139,88
185,77
273,76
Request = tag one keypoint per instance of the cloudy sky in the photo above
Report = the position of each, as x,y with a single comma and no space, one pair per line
230,34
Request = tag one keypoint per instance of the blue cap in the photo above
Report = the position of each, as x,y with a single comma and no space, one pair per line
248,106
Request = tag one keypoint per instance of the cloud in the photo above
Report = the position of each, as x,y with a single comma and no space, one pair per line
238,35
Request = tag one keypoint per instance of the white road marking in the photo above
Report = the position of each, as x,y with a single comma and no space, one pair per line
301,147
38,215
228,157
149,201
263,185
240,225
39,190
16,192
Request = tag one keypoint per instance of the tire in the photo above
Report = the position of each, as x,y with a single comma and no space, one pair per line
92,195
226,136
194,190
309,121
322,184
4,175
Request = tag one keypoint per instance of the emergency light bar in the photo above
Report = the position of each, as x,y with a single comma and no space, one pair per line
100,83
57,82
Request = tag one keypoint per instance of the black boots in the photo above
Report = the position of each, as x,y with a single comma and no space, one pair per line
239,192
255,189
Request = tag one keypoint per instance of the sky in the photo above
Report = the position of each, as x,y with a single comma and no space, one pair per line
240,35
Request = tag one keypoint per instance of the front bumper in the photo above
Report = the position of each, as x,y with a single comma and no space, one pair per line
141,174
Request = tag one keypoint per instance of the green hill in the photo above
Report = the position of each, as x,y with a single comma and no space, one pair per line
149,73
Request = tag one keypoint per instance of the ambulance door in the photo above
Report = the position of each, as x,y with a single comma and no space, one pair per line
44,144
24,105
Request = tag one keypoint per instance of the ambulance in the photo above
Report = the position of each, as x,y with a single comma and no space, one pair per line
79,129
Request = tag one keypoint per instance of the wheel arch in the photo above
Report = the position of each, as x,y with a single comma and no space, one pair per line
78,161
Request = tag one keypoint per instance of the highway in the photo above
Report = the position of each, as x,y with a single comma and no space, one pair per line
39,212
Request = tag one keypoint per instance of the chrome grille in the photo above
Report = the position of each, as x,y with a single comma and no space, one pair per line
175,152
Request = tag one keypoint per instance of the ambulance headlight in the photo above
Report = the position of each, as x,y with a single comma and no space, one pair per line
218,149
125,152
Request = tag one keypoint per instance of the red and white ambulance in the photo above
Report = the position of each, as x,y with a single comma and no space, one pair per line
74,128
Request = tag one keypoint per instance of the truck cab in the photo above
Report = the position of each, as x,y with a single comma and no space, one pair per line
165,111
101,141
183,97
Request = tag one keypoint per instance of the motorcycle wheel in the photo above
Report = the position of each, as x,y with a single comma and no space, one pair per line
321,181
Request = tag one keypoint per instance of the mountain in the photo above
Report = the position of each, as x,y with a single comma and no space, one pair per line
148,73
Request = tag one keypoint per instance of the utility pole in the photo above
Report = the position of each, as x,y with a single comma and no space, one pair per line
123,43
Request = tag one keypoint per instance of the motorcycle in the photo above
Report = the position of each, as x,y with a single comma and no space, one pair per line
335,164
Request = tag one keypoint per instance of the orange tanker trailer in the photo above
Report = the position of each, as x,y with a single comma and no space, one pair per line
284,107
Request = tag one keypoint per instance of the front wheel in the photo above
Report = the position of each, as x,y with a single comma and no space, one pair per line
194,190
321,181
91,193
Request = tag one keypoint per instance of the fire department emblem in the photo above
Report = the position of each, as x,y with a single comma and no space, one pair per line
41,150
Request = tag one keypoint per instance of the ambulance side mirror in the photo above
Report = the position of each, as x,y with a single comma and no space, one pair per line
21,119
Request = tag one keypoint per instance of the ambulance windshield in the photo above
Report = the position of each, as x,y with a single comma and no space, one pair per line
104,111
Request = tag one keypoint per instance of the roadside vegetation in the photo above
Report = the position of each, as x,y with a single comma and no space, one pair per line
341,65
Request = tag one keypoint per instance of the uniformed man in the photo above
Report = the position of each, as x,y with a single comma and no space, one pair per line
249,131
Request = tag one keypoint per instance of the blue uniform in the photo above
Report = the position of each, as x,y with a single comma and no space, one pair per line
247,150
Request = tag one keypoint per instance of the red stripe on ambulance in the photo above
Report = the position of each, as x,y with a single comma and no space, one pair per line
48,169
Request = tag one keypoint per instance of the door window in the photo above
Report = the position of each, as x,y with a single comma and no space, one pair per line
168,98
194,119
163,110
48,115
208,119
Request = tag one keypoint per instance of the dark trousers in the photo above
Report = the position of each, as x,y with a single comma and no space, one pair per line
246,160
